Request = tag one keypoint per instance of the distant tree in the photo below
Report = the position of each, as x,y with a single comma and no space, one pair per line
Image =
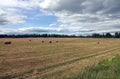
108,35
95,35
117,35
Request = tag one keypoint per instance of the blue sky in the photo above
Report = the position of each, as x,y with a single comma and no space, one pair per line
79,17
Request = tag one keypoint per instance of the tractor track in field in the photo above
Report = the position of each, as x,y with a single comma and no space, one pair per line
27,58
49,69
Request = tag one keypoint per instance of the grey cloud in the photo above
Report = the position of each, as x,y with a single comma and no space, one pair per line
41,30
71,6
92,6
73,16
16,11
3,21
85,15
35,30
38,29
8,18
82,6
112,6
61,5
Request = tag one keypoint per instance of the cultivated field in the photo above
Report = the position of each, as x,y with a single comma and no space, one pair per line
29,58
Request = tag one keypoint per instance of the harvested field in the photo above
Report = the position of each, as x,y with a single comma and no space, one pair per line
37,60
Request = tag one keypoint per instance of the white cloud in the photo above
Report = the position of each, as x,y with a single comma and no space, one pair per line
25,4
8,16
73,16
11,11
35,30
53,24
49,4
8,31
43,30
85,15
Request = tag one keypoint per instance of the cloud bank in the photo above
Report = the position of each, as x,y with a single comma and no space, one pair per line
73,16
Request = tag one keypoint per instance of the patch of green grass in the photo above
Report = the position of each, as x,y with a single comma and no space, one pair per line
105,69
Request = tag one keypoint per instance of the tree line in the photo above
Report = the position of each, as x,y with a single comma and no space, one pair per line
34,35
106,35
95,35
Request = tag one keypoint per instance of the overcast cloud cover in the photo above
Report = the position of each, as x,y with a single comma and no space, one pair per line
59,16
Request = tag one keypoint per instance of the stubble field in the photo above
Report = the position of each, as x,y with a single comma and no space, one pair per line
29,58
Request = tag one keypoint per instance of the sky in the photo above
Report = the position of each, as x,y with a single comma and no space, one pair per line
78,17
